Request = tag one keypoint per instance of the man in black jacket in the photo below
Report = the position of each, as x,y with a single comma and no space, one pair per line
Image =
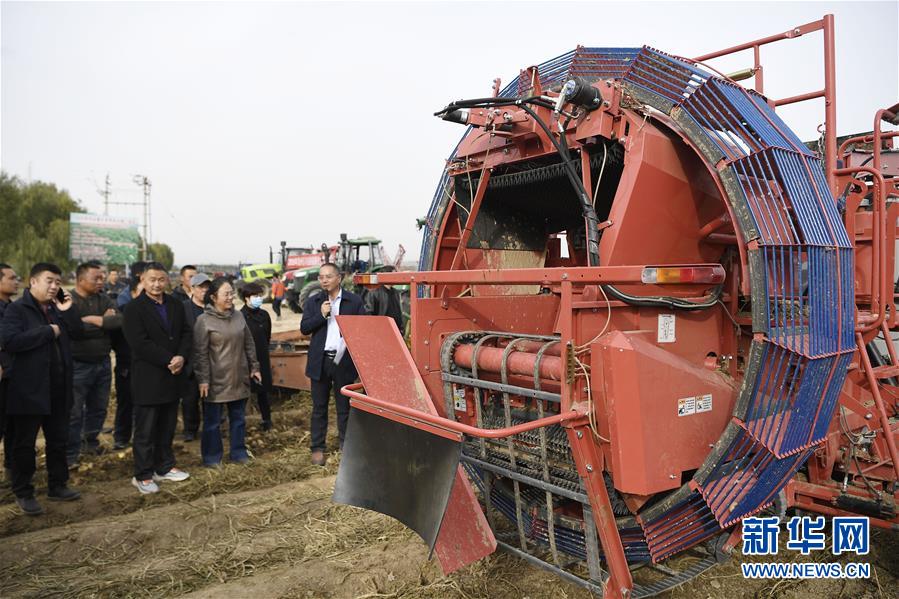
124,411
183,291
35,331
328,363
160,339
9,286
190,398
384,300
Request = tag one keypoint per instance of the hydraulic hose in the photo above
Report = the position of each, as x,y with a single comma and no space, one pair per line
591,221
672,303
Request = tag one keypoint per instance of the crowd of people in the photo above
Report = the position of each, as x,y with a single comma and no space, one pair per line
189,348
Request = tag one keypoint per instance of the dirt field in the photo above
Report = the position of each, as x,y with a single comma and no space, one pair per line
269,530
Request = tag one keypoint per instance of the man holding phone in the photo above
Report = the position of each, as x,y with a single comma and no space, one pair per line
35,331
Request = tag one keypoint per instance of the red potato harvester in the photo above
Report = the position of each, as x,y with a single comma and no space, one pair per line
645,311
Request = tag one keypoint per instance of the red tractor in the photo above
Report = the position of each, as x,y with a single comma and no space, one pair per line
645,311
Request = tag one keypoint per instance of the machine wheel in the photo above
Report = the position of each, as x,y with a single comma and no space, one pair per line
292,301
308,291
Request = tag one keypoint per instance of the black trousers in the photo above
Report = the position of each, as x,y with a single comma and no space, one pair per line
5,426
262,400
56,434
124,410
331,378
190,405
276,306
154,429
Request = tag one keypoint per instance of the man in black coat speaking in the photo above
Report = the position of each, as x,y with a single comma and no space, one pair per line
35,331
159,337
328,363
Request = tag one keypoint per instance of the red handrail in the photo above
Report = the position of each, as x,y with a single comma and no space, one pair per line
879,274
452,425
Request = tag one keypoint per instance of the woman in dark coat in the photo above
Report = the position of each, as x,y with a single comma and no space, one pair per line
260,324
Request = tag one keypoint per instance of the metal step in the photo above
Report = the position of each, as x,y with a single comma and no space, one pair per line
886,372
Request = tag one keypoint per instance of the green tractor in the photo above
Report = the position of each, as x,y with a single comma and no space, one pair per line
261,274
360,255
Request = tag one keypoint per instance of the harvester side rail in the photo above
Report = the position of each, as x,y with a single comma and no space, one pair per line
866,139
880,278
826,26
386,408
630,274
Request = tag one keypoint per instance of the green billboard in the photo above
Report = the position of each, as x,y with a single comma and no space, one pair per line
109,239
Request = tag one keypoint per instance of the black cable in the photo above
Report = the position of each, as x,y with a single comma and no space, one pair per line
593,234
591,222
493,101
663,301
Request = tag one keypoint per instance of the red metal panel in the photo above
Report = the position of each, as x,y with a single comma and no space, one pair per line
664,412
388,372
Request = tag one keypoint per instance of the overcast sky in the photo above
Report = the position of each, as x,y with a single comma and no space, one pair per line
298,121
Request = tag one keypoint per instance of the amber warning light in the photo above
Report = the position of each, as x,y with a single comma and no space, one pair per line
664,275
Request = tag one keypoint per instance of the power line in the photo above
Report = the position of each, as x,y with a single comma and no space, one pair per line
144,204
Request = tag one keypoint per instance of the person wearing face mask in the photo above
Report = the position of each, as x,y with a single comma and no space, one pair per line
260,324
35,331
224,361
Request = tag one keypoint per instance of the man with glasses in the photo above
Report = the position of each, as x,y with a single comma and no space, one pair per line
328,366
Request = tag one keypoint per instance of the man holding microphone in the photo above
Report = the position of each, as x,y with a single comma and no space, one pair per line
329,366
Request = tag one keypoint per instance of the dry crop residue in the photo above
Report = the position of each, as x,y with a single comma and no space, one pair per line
270,530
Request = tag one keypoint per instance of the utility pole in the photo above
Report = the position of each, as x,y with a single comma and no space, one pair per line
144,203
105,194
144,182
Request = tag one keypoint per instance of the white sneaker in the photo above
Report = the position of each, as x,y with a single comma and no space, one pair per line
146,487
173,475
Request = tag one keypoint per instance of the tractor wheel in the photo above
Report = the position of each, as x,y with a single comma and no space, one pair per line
308,291
292,301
